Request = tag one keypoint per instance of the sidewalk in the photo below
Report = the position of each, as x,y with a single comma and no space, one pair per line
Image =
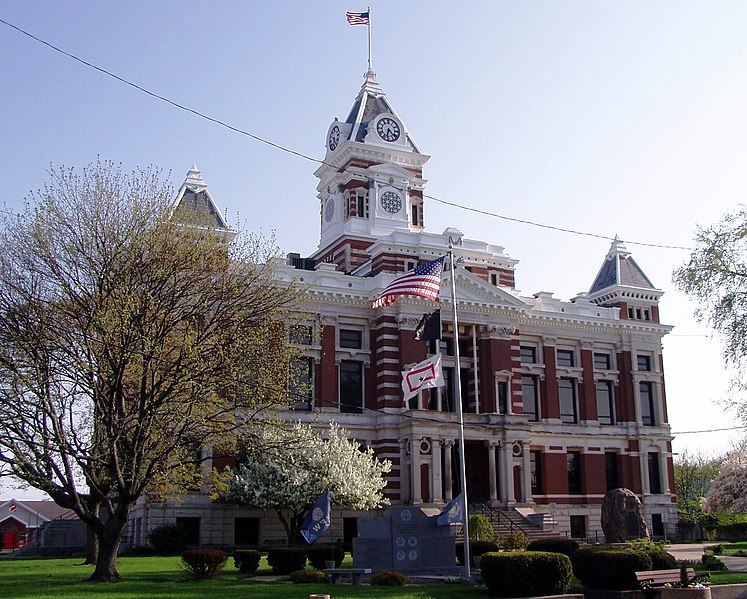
692,552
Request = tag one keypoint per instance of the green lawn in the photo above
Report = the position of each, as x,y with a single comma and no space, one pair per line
162,578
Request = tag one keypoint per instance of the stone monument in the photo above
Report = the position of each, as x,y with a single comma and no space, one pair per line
622,517
409,541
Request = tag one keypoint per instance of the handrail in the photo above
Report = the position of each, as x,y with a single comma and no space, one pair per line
497,515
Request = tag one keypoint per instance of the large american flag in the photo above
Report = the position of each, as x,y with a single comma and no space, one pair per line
357,18
423,281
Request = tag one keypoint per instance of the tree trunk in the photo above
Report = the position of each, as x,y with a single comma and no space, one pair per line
109,536
92,544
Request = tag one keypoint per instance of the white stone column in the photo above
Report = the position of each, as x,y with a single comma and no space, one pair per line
448,476
492,473
643,463
507,474
476,379
436,480
415,461
526,475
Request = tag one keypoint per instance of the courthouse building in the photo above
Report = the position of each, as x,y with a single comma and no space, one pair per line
563,400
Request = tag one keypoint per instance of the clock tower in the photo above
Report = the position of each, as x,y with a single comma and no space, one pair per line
371,182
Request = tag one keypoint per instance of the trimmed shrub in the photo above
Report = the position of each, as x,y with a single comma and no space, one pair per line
526,573
318,555
609,569
716,549
475,548
662,560
285,560
513,541
168,539
481,528
554,545
204,564
731,532
246,560
309,576
388,578
711,562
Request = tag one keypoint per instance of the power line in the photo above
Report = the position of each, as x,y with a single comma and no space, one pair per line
322,162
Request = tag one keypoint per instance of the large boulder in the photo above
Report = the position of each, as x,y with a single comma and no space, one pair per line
622,517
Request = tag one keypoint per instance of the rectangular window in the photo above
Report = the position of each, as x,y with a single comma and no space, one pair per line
610,470
605,403
528,354
657,526
415,215
530,397
602,361
648,414
578,527
502,397
191,528
351,338
565,357
246,531
535,468
644,363
351,387
301,383
349,529
301,334
573,459
567,390
654,475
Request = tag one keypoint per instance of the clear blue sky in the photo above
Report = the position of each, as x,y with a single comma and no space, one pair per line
620,118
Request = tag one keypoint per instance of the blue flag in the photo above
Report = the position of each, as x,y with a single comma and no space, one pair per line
452,513
316,522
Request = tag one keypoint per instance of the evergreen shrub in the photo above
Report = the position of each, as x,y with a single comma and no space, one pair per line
562,545
285,560
609,569
319,554
204,564
246,560
308,577
513,541
526,573
475,548
388,578
711,562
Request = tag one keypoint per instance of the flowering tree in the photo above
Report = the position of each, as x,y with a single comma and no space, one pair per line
295,465
728,492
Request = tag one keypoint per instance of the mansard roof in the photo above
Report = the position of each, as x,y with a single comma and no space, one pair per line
370,103
619,269
194,199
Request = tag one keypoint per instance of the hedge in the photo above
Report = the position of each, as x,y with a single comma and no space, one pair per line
554,545
285,560
319,554
526,573
610,569
475,548
246,560
204,564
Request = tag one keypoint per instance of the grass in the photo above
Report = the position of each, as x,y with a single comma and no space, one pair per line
162,578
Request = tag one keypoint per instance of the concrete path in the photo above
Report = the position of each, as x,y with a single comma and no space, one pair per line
694,551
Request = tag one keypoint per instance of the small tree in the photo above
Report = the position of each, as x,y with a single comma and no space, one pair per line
128,338
294,465
693,474
728,493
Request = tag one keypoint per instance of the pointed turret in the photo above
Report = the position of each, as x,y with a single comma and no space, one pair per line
622,283
195,200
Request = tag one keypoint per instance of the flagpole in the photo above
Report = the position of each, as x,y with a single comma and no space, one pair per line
370,68
460,415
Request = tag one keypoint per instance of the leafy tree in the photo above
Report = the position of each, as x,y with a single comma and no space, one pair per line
693,474
716,277
728,493
128,338
294,465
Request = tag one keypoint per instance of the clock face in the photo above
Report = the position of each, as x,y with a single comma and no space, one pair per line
329,209
388,129
391,202
334,138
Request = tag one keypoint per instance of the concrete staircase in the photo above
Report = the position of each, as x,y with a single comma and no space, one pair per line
512,520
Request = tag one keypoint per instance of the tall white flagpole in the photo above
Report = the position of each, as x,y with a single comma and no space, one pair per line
370,61
460,415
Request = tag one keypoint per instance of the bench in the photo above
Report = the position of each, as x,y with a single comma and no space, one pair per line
355,574
651,581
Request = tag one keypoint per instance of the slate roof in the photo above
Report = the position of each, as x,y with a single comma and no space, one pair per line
194,198
620,269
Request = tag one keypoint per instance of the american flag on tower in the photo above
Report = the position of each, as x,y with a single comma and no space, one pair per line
423,281
357,18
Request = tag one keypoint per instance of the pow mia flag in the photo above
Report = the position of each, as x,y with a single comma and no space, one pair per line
429,327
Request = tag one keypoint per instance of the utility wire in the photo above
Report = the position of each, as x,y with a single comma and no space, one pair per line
322,162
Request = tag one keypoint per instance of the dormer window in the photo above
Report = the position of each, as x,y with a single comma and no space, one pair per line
357,204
